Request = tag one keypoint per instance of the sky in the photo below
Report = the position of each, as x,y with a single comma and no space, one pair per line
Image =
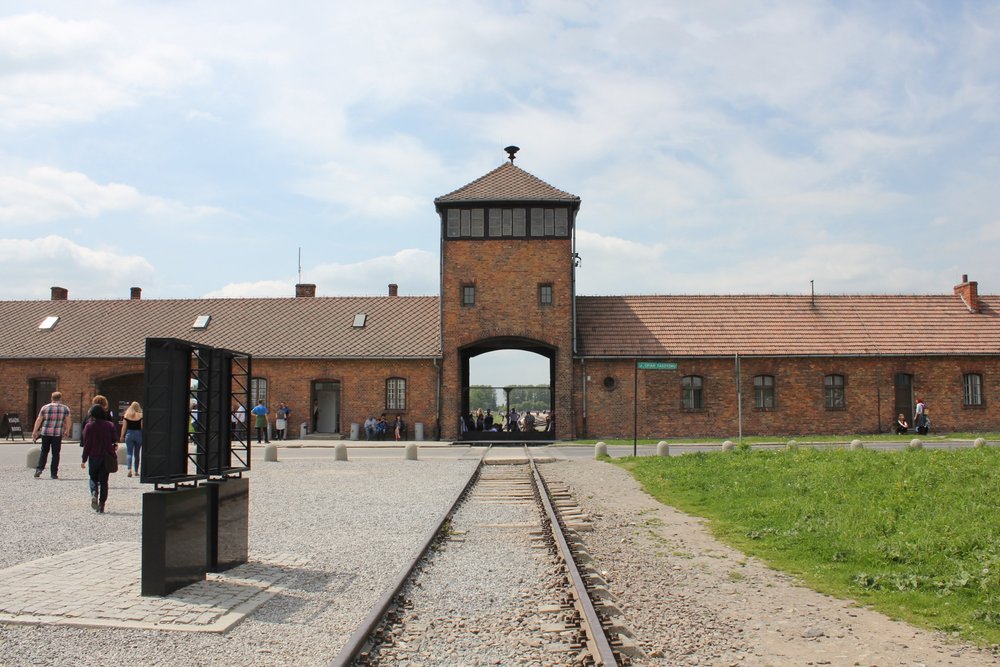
200,149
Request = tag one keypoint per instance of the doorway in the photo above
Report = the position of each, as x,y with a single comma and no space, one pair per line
41,393
326,407
903,383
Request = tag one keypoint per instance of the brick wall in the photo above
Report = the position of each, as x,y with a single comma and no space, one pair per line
506,274
799,396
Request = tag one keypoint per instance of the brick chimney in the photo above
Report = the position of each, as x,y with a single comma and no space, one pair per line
135,293
969,291
60,293
393,289
305,290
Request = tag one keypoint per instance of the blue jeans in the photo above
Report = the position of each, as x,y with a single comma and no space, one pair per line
53,442
133,443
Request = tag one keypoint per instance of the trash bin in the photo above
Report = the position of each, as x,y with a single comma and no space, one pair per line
303,430
355,431
418,431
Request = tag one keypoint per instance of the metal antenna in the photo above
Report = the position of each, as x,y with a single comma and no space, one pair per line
812,293
300,265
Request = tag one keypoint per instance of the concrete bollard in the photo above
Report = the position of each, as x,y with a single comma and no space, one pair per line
340,452
857,444
600,449
662,448
411,452
980,442
792,445
270,452
34,454
916,443
728,446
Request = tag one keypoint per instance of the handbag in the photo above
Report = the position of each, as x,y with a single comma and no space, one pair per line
111,463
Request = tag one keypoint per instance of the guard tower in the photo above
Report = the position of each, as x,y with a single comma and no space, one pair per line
507,283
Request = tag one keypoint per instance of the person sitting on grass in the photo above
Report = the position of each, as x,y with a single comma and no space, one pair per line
901,425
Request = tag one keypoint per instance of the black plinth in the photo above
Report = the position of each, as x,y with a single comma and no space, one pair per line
228,523
174,539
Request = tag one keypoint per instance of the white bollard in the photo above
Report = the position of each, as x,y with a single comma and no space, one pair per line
271,453
662,448
857,444
340,452
980,442
792,445
34,454
916,443
728,446
411,452
600,450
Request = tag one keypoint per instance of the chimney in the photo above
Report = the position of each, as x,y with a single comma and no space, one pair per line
135,293
305,290
60,293
969,291
393,289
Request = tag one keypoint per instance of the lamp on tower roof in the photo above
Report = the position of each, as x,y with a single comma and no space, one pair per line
511,152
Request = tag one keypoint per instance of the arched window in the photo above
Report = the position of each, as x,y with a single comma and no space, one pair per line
395,394
763,391
833,389
972,389
692,394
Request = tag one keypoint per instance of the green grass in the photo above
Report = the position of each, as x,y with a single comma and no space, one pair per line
914,533
802,439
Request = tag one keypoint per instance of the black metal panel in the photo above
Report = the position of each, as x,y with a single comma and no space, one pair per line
166,411
174,539
228,523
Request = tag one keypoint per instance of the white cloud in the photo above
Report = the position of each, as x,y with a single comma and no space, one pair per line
42,194
260,288
35,265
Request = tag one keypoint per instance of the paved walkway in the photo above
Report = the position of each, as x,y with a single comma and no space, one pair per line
62,590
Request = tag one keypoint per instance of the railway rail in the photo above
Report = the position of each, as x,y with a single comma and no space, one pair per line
502,579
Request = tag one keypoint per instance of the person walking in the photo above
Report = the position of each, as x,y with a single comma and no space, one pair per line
98,442
51,424
132,436
259,413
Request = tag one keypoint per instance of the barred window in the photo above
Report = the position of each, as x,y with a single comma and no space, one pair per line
258,391
395,394
763,391
972,389
468,295
833,389
545,295
692,397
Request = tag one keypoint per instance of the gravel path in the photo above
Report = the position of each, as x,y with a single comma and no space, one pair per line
693,601
356,522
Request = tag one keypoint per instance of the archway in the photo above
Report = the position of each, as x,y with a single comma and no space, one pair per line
511,380
120,391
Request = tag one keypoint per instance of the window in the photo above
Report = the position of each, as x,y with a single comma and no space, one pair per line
453,222
833,388
498,222
395,394
359,320
972,389
763,392
545,295
691,392
258,391
477,222
468,295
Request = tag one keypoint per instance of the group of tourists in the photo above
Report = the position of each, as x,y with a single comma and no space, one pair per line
379,429
261,421
921,420
511,421
98,442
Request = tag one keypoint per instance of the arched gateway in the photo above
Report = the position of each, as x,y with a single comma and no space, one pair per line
507,282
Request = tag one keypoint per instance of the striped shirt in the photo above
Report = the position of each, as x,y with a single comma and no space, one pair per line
53,418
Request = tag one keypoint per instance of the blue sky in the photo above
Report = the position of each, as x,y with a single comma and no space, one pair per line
192,148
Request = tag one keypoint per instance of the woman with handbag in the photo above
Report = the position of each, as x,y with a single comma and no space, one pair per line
101,449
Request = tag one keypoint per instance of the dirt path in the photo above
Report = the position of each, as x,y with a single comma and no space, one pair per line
692,600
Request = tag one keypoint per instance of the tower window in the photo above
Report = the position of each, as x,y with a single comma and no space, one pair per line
468,295
545,295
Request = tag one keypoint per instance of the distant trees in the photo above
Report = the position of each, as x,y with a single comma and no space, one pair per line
533,397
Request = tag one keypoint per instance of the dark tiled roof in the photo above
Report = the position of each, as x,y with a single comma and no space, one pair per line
507,183
785,325
319,327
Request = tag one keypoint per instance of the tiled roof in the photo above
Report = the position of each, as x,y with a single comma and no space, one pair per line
507,183
785,325
305,327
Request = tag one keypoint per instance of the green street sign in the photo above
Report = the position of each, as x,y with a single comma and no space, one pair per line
657,366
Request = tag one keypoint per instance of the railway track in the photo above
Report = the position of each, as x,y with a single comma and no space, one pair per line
503,580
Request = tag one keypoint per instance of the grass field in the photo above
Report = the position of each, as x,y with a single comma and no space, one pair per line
912,533
804,439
